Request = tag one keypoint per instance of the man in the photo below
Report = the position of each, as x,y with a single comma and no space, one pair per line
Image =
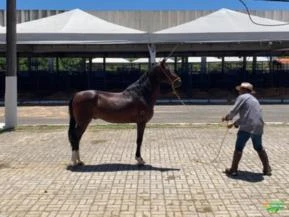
250,125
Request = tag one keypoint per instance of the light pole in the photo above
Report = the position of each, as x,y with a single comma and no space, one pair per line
11,62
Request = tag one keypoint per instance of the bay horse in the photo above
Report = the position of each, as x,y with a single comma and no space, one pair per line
133,105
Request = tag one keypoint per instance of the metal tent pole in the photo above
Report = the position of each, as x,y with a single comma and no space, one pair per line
11,73
153,52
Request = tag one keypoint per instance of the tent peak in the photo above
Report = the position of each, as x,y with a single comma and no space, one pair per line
225,10
73,21
226,21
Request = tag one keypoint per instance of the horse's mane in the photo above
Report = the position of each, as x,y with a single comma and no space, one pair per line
141,88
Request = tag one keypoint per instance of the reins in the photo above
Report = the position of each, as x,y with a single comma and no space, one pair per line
223,139
182,102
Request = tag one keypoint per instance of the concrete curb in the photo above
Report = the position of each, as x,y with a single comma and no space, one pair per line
200,124
159,102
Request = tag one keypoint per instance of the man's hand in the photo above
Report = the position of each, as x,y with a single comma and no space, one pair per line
224,119
230,125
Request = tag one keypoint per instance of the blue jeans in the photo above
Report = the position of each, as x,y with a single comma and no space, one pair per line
243,137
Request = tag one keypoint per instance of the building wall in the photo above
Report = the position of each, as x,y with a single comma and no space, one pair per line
149,21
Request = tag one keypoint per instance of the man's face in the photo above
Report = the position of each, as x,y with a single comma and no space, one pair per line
243,90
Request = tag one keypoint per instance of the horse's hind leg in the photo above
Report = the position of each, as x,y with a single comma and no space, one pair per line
75,134
140,132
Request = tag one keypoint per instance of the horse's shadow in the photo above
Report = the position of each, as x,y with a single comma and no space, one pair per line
115,167
248,176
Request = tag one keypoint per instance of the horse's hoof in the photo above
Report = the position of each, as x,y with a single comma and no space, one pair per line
80,163
76,164
140,161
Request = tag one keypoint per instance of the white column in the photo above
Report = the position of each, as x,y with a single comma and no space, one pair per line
10,102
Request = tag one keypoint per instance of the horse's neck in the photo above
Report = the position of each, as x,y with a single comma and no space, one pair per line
145,87
155,94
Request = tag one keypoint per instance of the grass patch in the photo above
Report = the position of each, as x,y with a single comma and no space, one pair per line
40,127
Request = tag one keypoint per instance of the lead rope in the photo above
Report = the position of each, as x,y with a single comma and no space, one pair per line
182,102
223,139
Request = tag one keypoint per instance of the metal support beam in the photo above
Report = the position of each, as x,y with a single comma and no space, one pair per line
153,53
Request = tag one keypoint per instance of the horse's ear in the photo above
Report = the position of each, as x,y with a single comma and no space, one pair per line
163,63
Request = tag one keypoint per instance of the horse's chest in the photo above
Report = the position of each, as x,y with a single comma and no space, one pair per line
145,115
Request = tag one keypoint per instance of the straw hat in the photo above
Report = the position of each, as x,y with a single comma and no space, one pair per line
246,85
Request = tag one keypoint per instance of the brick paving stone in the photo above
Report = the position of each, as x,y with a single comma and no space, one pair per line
179,178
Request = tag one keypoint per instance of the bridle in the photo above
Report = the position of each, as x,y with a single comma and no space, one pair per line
172,82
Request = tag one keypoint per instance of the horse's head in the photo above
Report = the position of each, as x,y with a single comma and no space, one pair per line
165,75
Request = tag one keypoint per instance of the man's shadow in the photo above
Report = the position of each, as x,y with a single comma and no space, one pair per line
115,167
248,176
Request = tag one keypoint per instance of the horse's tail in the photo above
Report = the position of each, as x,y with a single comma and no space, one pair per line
72,123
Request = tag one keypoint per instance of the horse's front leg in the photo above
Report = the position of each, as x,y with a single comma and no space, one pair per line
140,132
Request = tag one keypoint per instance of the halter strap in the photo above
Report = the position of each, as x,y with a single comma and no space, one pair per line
172,82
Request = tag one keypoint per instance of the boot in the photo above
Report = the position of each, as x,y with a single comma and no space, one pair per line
233,171
267,171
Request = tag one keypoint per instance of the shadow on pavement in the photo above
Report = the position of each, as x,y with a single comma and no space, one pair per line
114,167
248,176
6,130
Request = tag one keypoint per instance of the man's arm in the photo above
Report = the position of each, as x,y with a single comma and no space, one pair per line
234,111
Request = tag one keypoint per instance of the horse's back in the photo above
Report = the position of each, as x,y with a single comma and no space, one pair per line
114,107
109,106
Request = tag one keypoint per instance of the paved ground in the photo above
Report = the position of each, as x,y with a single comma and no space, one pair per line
179,178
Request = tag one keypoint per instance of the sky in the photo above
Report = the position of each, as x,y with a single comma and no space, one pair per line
146,4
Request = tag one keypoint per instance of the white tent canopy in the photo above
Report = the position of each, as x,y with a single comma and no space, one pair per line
158,59
259,59
226,25
225,20
226,59
79,28
199,59
248,59
73,21
109,60
75,27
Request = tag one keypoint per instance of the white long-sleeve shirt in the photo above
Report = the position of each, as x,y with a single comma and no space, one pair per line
250,114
